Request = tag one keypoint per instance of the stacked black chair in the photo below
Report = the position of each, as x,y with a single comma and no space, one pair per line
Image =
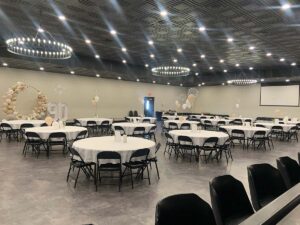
135,113
209,146
130,113
170,145
105,167
229,200
265,184
139,162
57,139
81,165
289,170
154,159
184,209
34,141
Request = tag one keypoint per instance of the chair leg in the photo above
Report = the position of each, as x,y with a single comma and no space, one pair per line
120,179
131,178
157,169
148,174
69,173
77,178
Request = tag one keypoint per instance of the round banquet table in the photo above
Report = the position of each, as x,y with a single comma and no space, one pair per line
140,119
202,115
173,117
83,121
199,136
129,127
215,121
248,130
44,132
240,118
89,148
285,127
179,122
16,124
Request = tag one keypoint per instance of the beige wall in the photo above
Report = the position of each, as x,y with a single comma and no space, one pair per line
116,97
223,99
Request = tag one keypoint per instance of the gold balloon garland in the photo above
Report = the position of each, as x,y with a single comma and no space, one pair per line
10,100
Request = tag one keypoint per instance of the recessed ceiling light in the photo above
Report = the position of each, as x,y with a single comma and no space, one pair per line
62,17
194,64
163,13
175,60
203,83
202,28
211,68
113,32
154,82
229,40
150,42
262,80
152,56
199,85
42,68
179,49
119,78
269,54
97,75
124,49
146,65
282,59
88,41
202,56
237,65
168,83
137,80
72,72
287,80
97,56
124,61
225,71
196,74
41,30
286,6
180,85
221,60
251,48
250,68
223,84
4,64
293,64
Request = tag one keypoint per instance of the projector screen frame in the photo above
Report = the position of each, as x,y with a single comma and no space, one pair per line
266,85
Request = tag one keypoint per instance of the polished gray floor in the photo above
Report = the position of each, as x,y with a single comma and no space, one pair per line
34,191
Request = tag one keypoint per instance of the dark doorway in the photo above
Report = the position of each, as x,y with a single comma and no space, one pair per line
149,106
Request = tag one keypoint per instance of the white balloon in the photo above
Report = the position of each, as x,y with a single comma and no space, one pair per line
184,106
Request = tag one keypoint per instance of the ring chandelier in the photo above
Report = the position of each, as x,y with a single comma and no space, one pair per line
242,82
170,71
39,47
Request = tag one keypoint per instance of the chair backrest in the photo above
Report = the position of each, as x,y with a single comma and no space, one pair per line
259,134
237,133
202,117
289,170
229,199
130,113
181,209
277,129
57,135
157,147
108,155
119,128
207,122
32,136
248,120
146,121
223,130
185,140
260,125
135,113
81,135
220,123
104,123
6,126
265,184
173,125
293,129
169,138
75,155
185,126
77,122
165,118
152,129
91,123
211,142
141,154
139,130
26,125
44,125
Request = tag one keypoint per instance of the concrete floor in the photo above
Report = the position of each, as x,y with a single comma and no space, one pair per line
34,191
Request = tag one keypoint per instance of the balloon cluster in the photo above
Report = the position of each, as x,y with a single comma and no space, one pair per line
10,101
187,102
95,100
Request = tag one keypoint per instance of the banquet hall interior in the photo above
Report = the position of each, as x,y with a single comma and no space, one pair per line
144,112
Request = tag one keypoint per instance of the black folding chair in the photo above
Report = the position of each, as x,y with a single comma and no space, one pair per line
57,139
154,159
139,132
210,146
186,146
34,141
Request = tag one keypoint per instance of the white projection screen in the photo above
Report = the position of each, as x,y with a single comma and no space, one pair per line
279,95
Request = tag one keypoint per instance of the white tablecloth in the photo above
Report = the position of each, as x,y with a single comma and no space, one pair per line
215,121
174,117
286,127
83,121
248,130
89,148
44,132
16,124
140,119
129,127
179,122
199,136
